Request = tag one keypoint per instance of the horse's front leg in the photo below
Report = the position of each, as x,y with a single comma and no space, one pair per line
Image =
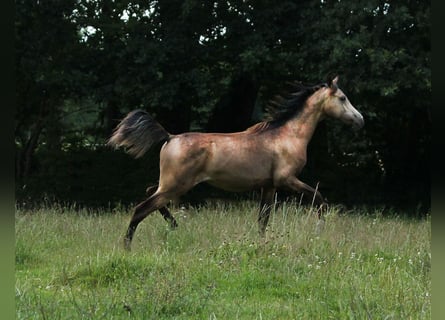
299,186
267,195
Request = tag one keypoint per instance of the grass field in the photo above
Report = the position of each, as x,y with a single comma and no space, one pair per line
71,265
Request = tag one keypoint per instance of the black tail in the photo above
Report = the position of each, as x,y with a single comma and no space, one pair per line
137,132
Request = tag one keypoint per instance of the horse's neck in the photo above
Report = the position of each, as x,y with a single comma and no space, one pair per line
303,126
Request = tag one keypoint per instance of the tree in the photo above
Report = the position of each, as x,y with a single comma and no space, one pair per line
46,74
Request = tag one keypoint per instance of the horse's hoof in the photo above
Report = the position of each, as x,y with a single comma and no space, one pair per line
127,244
173,225
320,226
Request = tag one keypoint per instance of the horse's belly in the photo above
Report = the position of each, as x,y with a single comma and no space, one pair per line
237,183
239,171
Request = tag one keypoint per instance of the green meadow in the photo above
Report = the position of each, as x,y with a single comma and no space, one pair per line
71,264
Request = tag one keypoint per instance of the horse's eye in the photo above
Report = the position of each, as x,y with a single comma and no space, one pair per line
342,98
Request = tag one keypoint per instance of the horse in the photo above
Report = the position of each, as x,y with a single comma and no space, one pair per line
266,156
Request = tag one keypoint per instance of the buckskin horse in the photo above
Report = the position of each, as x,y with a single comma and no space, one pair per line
268,155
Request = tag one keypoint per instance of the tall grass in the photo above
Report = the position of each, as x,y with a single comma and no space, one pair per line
71,265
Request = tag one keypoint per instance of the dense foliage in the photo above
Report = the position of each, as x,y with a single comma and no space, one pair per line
212,66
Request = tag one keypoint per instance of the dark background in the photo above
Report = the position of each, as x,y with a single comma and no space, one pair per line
212,66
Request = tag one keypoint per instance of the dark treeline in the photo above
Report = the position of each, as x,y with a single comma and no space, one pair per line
211,66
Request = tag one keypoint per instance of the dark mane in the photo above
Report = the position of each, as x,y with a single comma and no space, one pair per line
285,106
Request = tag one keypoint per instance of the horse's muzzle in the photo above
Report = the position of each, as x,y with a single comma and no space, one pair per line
358,122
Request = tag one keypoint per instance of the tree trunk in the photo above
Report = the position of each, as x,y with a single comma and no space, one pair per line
24,157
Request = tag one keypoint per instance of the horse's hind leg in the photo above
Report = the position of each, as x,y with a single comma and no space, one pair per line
164,211
267,195
168,217
156,202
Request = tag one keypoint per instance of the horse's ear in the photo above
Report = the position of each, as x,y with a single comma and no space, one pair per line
333,83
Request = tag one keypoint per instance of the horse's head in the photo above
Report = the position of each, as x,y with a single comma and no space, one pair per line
335,104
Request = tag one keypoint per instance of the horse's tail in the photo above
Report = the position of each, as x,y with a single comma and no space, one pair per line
138,132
